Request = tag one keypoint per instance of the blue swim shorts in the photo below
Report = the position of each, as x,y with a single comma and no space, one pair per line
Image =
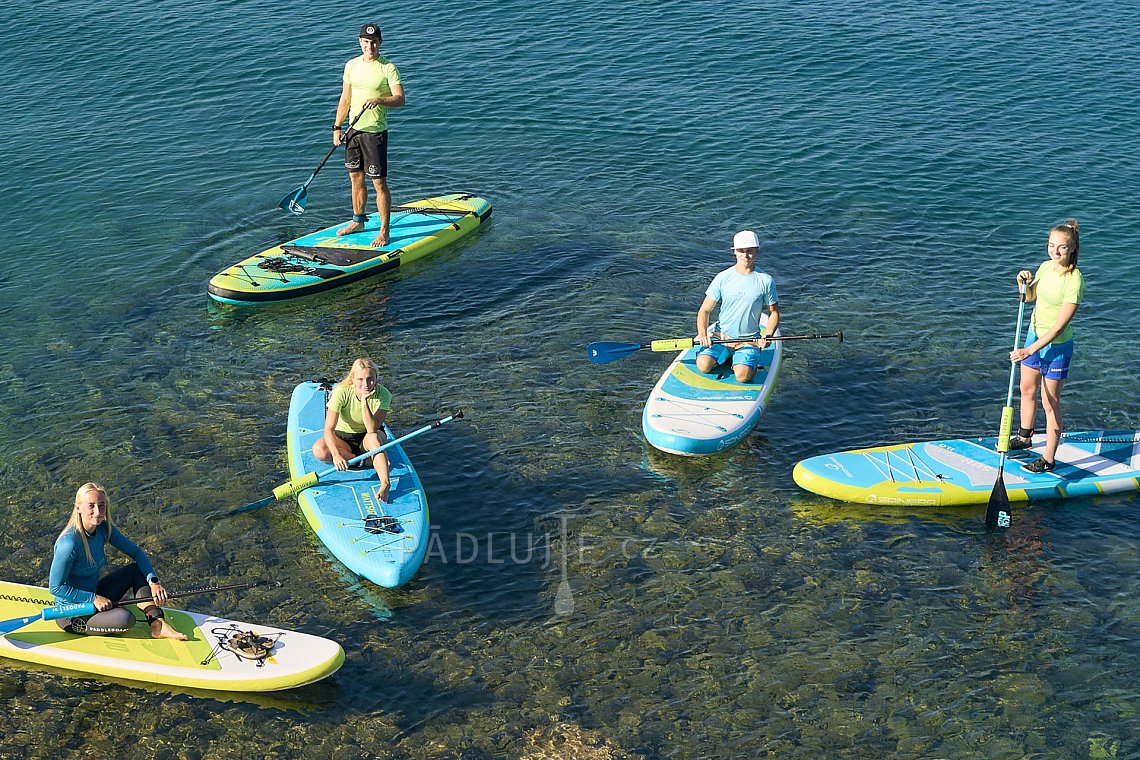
747,355
1052,361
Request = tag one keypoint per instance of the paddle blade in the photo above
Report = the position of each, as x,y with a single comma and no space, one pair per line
252,505
8,626
997,513
604,352
295,201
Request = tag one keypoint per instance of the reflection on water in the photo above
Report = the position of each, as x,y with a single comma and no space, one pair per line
589,595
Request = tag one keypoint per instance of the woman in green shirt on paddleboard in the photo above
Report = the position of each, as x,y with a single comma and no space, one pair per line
1058,288
352,426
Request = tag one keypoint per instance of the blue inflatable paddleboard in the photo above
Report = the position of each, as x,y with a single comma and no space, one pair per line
384,542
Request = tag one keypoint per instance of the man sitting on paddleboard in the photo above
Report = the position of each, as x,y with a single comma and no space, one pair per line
743,293
352,426
370,81
79,558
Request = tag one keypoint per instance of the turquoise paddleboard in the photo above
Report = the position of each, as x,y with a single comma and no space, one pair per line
964,471
692,413
343,509
324,260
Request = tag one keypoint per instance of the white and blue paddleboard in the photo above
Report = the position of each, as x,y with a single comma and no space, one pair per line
384,542
695,414
964,471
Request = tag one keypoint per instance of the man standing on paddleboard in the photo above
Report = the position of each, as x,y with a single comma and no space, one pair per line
743,292
370,81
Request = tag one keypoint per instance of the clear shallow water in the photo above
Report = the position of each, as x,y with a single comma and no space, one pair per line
900,164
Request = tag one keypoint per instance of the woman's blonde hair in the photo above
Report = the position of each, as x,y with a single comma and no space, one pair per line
361,363
76,521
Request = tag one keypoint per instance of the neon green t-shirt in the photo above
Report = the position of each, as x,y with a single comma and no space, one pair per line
369,80
344,402
1053,290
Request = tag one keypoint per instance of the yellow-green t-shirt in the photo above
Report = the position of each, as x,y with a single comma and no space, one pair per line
370,80
1053,290
344,402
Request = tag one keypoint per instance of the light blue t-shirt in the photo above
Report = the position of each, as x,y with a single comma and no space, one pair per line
742,300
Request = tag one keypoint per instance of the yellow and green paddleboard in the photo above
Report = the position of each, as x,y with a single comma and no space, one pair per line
221,655
324,260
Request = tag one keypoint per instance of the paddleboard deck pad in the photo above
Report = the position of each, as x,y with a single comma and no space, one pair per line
693,414
221,654
324,260
384,542
963,471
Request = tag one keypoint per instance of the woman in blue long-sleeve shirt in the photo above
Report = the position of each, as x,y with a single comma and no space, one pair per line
80,557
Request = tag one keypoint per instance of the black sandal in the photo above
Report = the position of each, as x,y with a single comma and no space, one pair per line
1039,465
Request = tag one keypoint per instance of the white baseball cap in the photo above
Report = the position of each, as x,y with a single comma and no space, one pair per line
745,239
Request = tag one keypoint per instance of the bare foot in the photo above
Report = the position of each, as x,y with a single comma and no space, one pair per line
350,228
382,491
160,629
381,239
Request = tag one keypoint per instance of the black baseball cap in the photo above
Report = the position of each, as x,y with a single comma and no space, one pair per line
370,32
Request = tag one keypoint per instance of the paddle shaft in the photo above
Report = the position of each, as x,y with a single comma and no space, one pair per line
343,140
291,487
88,608
390,444
69,610
604,352
998,512
813,336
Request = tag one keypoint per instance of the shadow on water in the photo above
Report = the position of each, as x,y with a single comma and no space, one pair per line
303,700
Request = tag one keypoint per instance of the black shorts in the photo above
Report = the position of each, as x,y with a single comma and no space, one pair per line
367,150
355,441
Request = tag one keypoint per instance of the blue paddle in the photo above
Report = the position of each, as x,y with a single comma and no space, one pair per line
606,351
79,609
296,485
295,201
998,511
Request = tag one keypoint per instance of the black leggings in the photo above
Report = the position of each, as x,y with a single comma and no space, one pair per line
114,586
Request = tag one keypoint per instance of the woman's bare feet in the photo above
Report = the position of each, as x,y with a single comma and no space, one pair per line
160,629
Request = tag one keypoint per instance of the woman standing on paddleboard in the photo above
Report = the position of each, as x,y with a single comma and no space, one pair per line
80,557
352,426
1058,288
